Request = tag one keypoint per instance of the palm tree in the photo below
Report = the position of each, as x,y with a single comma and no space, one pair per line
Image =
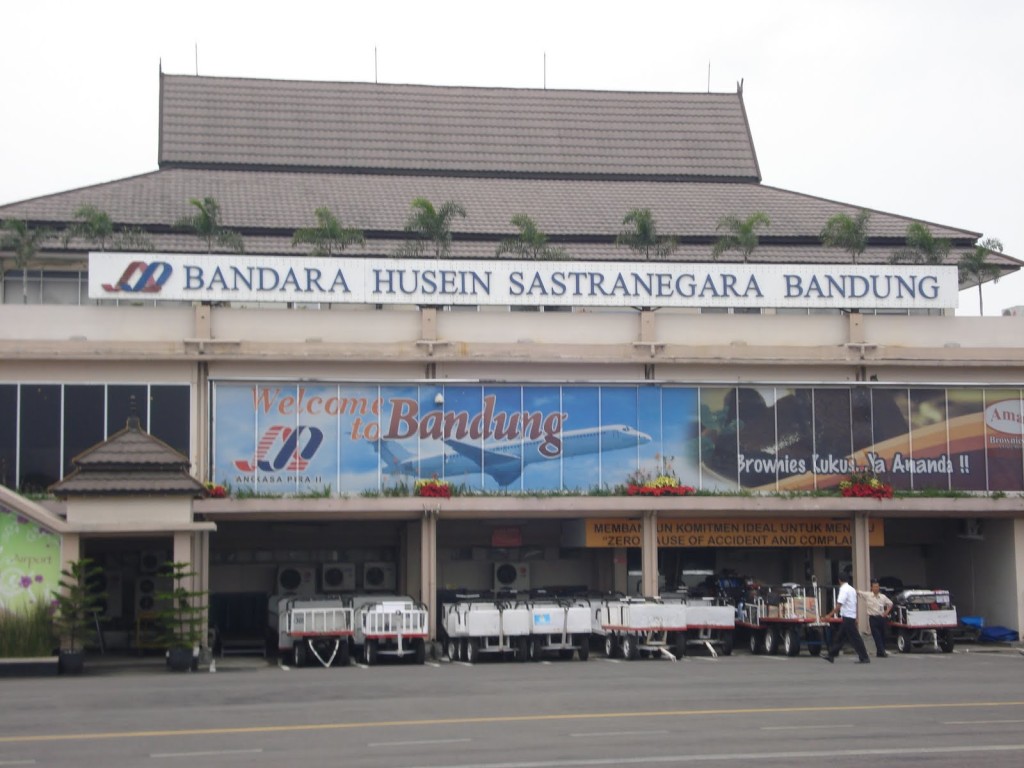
427,223
530,243
741,234
642,236
132,239
974,266
205,224
96,226
329,235
848,233
93,225
922,247
24,243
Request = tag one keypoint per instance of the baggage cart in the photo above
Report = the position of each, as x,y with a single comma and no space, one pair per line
474,626
923,618
388,625
633,627
313,628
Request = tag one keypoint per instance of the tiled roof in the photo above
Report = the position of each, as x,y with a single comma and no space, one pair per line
224,122
114,483
130,461
264,200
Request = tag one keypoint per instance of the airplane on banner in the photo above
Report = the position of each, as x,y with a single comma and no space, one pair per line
504,461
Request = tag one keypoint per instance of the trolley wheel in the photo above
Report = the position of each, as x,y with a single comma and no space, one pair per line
903,643
523,648
344,657
300,653
813,642
536,648
419,651
791,642
756,646
727,642
611,645
630,648
473,650
681,640
583,650
771,641
370,652
946,640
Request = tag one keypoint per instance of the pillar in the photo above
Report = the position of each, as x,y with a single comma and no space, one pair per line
649,553
428,566
861,547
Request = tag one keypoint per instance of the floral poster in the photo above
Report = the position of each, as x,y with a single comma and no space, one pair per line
29,562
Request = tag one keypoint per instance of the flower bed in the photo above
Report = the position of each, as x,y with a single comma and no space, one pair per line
863,485
663,485
216,491
433,489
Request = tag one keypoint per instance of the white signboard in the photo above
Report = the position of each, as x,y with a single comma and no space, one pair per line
389,280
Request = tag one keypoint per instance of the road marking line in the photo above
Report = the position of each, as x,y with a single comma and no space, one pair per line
498,719
415,743
800,727
591,734
981,722
209,753
742,756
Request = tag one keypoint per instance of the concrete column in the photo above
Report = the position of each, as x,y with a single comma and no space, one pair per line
1018,561
649,553
428,566
70,549
861,547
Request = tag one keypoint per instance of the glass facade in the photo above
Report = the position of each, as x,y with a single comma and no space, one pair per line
44,426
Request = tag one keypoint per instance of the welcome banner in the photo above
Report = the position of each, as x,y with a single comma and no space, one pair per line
352,438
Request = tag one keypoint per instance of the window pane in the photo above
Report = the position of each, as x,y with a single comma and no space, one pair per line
8,433
40,436
169,415
83,420
119,406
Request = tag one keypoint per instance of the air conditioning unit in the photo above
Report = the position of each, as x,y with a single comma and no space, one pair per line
148,587
298,580
379,577
971,528
338,577
110,582
511,576
151,560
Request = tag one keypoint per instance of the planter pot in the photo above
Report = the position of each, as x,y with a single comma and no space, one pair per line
71,662
36,666
180,660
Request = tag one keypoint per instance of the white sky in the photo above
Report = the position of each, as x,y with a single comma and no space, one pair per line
913,107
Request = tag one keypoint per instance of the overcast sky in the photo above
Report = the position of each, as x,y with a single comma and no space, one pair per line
913,107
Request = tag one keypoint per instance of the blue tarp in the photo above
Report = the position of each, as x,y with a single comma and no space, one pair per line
998,635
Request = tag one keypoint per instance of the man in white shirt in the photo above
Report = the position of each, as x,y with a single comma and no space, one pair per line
846,606
879,607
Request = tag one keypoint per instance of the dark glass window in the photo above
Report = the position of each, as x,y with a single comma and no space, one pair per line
39,445
8,433
119,406
169,415
83,420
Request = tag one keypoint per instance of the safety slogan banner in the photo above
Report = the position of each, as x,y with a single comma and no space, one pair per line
718,532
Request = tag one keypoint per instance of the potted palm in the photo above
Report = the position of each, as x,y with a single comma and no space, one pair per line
181,616
78,602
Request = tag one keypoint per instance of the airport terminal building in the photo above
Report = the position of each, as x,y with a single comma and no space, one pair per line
542,368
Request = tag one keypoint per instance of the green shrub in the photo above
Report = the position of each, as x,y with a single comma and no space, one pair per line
27,632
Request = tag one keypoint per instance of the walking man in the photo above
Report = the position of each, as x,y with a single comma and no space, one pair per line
879,607
846,606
